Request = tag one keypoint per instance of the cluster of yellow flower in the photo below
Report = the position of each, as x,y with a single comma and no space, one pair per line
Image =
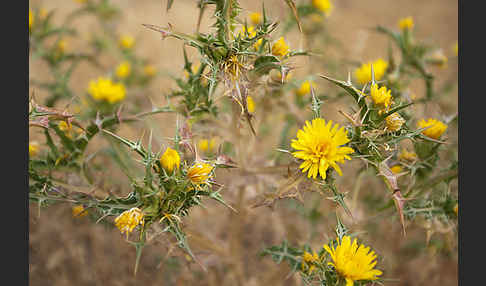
105,89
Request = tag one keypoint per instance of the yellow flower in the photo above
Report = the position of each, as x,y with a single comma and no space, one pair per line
277,76
79,211
363,74
149,70
123,70
43,13
381,96
105,89
405,155
194,69
323,5
203,145
65,127
308,258
128,220
199,173
318,144
126,41
406,23
170,160
250,104
353,262
396,169
255,18
33,148
394,122
438,58
251,33
305,88
280,48
435,128
62,46
455,48
31,19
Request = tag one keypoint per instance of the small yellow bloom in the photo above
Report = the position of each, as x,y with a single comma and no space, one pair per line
123,70
43,14
126,41
396,169
307,259
62,46
149,70
199,173
406,155
105,89
280,48
256,18
305,88
31,19
65,127
128,220
194,69
170,160
438,58
277,76
353,262
363,73
319,145
381,97
203,145
406,23
79,211
323,5
394,122
435,128
33,148
250,104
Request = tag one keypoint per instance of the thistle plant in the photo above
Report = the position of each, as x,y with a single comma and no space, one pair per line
227,99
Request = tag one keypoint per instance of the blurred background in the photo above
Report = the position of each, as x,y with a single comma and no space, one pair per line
75,251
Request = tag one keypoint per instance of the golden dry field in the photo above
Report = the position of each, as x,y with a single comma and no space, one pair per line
267,198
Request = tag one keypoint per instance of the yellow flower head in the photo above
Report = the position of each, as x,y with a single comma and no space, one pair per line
406,23
31,19
305,88
203,145
308,258
170,160
323,5
194,69
128,220
353,262
126,41
105,89
149,70
33,148
381,96
277,76
199,173
250,104
123,70
256,18
280,48
65,127
435,128
394,122
79,211
406,155
251,33
363,74
396,169
438,58
62,46
318,144
43,13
